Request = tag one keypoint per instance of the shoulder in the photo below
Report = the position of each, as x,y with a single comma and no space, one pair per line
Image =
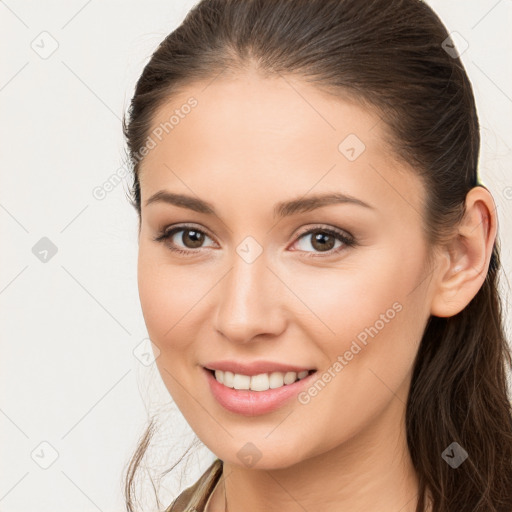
193,498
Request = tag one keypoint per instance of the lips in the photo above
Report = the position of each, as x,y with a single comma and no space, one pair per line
247,402
255,367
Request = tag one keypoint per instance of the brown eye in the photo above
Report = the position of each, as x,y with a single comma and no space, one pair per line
191,238
188,243
322,241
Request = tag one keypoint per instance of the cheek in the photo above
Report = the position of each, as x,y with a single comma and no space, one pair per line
369,358
167,298
163,297
372,316
348,300
172,297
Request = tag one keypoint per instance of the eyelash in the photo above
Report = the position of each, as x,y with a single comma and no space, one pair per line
348,240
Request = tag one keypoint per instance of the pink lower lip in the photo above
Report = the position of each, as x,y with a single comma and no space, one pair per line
252,403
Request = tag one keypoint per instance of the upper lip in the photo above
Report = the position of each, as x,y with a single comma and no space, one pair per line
254,367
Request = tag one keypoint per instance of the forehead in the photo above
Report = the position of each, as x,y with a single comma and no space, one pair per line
267,136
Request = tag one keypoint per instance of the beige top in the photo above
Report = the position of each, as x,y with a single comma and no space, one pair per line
196,497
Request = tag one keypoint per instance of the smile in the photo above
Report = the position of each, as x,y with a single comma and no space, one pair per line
260,382
251,402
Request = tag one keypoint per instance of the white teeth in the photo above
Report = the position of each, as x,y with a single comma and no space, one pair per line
290,377
241,381
260,382
276,380
228,378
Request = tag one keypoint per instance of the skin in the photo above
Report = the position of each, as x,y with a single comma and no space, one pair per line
252,142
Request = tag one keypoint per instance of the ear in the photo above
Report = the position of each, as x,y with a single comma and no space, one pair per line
467,255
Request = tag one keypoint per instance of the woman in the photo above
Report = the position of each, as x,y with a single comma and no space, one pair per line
318,260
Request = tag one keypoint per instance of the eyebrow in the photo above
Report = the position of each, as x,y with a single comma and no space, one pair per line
282,209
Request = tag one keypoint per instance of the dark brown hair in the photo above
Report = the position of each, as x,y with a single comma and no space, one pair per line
391,56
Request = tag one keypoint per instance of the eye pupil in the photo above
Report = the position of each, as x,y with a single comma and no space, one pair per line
319,238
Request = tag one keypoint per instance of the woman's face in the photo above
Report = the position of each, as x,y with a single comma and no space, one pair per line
259,281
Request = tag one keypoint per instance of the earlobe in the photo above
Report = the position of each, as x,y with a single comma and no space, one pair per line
468,255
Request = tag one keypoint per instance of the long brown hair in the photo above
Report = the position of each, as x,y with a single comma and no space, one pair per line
395,57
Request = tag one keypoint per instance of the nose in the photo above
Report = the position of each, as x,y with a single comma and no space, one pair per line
250,301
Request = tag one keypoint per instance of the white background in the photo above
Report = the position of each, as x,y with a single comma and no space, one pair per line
69,377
